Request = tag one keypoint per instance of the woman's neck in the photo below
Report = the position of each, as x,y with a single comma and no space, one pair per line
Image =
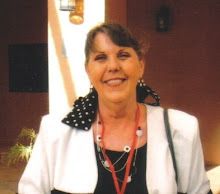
119,122
117,112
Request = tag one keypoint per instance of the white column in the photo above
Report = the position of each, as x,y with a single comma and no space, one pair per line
67,76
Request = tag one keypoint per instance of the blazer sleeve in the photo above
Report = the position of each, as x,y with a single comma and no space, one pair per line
198,181
37,176
192,177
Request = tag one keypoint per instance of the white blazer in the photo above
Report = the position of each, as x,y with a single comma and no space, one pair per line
64,158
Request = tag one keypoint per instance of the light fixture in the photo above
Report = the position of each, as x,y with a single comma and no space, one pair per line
67,5
163,19
77,15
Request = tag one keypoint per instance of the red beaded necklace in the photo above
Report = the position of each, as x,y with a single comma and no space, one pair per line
130,156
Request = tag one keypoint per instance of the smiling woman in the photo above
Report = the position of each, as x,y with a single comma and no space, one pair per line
113,141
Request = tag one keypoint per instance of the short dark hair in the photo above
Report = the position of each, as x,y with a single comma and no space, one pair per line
119,35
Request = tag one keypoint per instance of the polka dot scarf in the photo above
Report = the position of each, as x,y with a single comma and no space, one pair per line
83,112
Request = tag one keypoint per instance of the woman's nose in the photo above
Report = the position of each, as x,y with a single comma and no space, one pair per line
113,65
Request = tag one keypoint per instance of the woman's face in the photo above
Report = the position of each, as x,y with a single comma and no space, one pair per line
113,70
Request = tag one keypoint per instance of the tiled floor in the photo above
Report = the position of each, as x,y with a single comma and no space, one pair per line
9,177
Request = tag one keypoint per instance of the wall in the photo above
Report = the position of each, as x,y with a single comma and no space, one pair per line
116,11
22,22
183,63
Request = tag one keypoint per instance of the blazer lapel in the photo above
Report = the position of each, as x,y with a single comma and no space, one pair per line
78,171
160,173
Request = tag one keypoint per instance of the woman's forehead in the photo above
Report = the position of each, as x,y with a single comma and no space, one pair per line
102,38
102,41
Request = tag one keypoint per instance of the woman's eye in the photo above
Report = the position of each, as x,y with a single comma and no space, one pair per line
100,57
123,55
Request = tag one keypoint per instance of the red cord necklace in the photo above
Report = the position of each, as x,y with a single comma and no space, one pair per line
130,156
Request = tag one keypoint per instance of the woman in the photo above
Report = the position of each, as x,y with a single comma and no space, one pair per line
112,142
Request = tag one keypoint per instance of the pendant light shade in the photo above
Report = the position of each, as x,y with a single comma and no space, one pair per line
77,15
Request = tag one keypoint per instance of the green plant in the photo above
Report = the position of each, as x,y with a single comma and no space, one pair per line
22,149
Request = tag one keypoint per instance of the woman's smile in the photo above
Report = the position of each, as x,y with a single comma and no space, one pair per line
114,82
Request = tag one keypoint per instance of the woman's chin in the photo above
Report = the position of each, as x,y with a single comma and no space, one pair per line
117,98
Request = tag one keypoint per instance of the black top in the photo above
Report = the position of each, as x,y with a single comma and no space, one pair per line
105,184
138,184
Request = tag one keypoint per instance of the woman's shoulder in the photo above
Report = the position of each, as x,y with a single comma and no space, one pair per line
183,124
180,121
175,116
52,128
53,121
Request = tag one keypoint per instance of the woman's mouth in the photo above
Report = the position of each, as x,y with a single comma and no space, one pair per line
115,81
